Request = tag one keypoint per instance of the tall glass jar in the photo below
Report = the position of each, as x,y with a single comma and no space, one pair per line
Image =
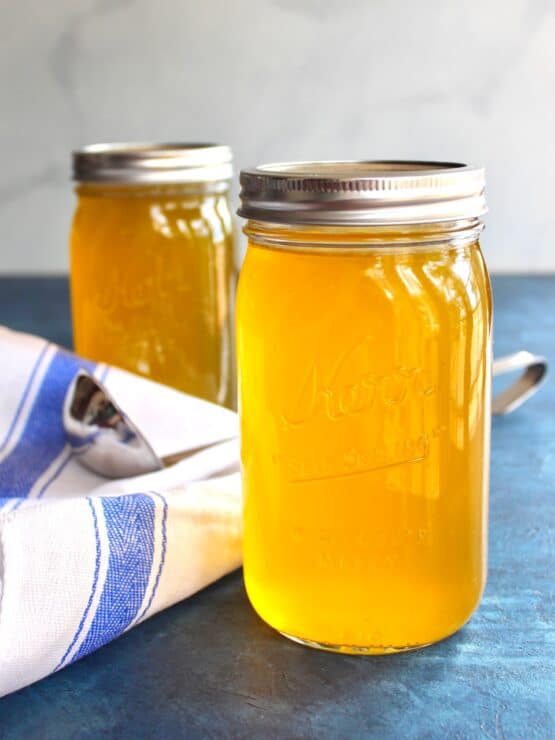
364,347
152,263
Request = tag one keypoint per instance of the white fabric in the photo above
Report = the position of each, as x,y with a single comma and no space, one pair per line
83,559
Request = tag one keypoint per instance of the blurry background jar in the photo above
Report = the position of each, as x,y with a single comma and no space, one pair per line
152,263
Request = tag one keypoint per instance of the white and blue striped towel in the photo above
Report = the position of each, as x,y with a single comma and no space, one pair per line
82,560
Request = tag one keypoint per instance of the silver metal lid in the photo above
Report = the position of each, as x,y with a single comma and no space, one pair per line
362,193
152,163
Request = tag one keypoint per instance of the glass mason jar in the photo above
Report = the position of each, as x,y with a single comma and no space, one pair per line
364,348
152,263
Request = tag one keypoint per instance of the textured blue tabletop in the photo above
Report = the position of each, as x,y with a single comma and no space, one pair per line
209,668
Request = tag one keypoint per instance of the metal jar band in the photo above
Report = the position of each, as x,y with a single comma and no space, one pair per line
358,193
148,163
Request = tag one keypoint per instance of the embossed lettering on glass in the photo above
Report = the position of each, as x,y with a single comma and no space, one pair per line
364,352
152,263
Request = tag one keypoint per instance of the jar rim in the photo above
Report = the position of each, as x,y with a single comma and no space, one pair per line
152,163
362,192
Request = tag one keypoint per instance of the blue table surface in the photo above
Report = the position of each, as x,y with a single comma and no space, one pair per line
209,668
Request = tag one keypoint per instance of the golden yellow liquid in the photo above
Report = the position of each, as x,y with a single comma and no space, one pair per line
151,285
364,401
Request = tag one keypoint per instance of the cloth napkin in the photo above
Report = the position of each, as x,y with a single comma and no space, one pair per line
84,559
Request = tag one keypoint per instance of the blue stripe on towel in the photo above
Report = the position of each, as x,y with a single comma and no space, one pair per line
162,556
43,437
130,529
93,587
24,395
56,474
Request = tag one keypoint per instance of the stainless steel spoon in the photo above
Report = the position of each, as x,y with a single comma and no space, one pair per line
525,386
105,439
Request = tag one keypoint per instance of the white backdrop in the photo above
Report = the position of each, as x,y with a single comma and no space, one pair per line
280,80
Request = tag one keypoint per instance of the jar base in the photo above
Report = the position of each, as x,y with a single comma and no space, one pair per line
356,649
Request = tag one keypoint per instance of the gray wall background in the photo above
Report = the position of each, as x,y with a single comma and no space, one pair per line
280,80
